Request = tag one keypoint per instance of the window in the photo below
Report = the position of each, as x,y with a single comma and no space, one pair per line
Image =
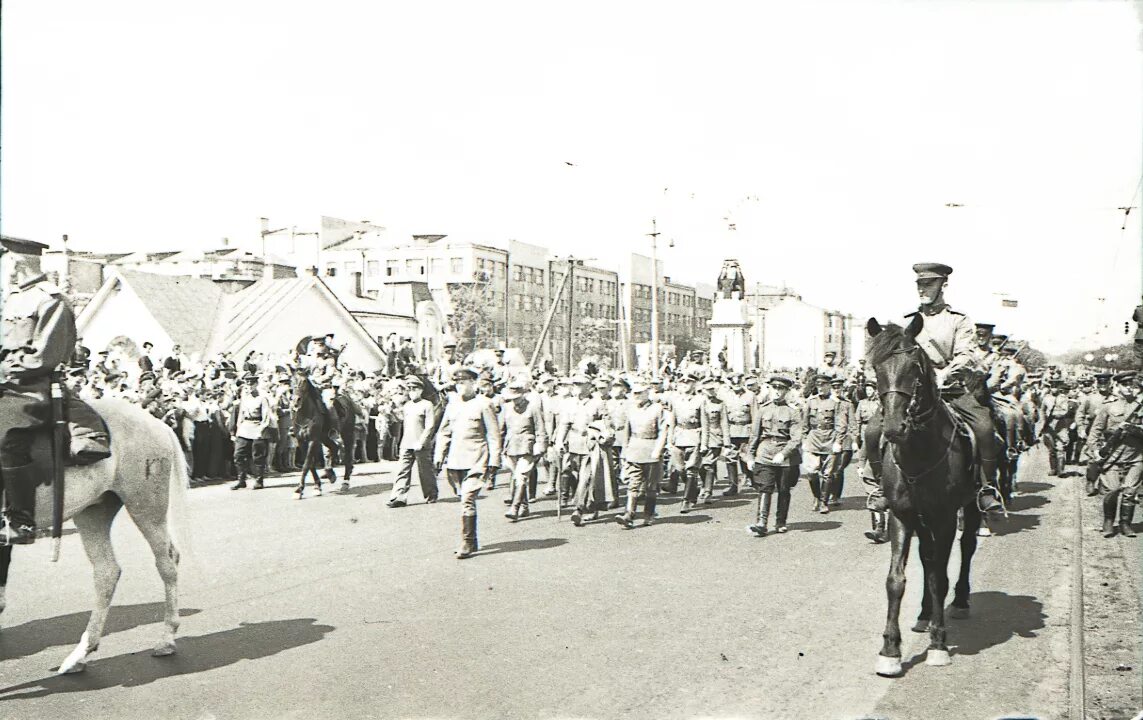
373,268
539,276
517,273
331,270
456,265
410,267
517,301
589,310
350,267
436,265
391,268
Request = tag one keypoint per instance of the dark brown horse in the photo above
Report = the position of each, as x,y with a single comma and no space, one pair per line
927,477
316,426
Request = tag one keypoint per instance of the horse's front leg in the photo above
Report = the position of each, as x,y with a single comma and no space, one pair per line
307,464
889,660
94,524
959,609
937,579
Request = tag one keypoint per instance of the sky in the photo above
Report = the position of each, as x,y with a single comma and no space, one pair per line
833,135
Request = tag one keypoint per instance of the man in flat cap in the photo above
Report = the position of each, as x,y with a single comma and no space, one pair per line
250,427
1117,435
525,440
948,338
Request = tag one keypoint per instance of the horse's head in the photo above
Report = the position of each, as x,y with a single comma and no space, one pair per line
901,368
301,388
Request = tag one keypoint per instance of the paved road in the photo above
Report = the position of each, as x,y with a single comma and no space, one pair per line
340,607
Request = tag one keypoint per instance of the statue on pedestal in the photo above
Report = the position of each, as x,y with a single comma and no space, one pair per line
731,280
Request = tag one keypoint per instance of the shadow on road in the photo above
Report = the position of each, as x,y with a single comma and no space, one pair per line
248,641
1027,502
520,545
813,526
367,490
1014,523
1033,487
64,630
996,618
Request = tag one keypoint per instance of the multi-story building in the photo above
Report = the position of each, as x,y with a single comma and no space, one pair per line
684,310
591,297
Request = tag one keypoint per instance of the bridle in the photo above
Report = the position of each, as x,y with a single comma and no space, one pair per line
915,420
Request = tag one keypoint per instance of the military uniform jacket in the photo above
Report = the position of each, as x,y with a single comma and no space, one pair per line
1085,412
825,423
948,338
688,419
1112,415
524,432
648,426
617,413
417,420
38,332
469,437
1059,411
739,414
867,409
715,428
579,413
253,415
777,428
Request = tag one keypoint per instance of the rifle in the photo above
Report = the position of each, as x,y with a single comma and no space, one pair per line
1116,438
59,440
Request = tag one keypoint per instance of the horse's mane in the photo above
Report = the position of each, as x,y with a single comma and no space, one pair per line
891,339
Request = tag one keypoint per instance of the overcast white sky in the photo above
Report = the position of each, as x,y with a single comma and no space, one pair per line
157,125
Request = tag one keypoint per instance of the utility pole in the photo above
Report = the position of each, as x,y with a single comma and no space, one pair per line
571,310
654,235
267,270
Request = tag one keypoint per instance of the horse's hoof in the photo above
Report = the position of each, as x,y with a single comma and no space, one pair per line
938,658
889,667
984,531
957,613
164,650
73,669
922,626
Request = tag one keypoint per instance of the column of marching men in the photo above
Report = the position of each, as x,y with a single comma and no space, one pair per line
615,441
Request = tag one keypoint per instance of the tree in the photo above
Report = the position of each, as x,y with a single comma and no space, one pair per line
595,338
470,321
687,344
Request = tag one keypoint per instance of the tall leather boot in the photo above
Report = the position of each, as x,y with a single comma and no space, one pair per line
468,537
241,481
706,497
879,534
1126,517
649,510
1092,477
1110,503
759,528
816,490
259,476
732,478
20,506
783,511
627,519
988,495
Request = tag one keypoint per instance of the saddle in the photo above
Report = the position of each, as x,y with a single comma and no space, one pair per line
87,432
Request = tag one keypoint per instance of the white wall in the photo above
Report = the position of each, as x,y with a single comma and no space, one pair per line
793,335
123,313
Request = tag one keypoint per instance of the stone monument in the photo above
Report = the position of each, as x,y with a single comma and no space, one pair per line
729,323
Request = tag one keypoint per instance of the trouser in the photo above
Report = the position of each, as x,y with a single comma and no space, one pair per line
200,450
740,466
282,454
571,467
817,467
643,481
837,473
522,468
685,464
551,468
1124,478
708,464
618,466
422,461
469,484
1056,442
247,449
774,479
85,427
1074,447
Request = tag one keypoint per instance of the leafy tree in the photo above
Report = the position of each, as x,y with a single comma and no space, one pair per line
471,319
595,338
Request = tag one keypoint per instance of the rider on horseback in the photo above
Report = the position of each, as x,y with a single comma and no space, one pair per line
38,335
948,338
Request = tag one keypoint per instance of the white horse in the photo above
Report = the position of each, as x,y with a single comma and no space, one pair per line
147,474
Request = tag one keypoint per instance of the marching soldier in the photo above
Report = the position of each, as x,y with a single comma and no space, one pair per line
468,445
1059,415
418,416
740,419
617,405
848,442
576,447
715,438
251,424
1101,396
647,428
775,436
1118,435
685,439
525,440
868,408
825,426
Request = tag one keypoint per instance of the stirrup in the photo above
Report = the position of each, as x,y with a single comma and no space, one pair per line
994,492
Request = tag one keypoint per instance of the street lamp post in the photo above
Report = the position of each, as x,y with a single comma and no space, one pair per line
654,235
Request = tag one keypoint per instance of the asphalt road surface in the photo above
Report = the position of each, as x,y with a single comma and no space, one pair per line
340,607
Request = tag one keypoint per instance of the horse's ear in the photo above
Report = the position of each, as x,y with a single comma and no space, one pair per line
915,325
873,327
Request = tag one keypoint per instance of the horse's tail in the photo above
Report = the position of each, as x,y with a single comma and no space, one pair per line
179,480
